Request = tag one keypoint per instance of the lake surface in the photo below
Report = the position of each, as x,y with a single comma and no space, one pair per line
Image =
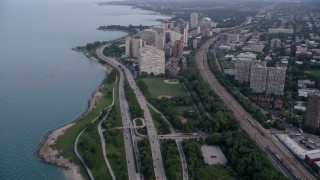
43,83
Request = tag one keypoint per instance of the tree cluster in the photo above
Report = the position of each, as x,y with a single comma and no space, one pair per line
243,155
134,107
146,159
171,160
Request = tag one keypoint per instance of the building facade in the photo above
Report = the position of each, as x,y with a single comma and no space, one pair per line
151,60
313,110
276,80
243,70
194,20
258,78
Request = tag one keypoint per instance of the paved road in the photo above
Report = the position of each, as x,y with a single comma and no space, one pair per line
294,168
126,119
183,160
151,130
80,158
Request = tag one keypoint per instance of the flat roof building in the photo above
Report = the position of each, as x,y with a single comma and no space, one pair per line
276,80
151,60
313,110
258,78
194,20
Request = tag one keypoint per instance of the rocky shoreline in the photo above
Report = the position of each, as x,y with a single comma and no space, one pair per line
50,155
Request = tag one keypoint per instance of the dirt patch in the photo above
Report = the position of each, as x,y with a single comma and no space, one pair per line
183,120
171,81
164,96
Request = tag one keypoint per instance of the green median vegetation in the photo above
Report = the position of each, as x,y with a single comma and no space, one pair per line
134,107
159,122
171,159
146,167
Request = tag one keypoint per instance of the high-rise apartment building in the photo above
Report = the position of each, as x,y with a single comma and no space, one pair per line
151,60
257,47
258,78
248,20
160,36
280,30
178,49
185,35
128,46
313,110
275,43
276,80
194,20
243,70
148,35
136,44
132,47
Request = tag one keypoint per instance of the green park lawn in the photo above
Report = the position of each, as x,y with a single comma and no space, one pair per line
65,143
157,87
227,65
316,74
215,172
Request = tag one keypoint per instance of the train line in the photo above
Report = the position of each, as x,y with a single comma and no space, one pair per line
289,164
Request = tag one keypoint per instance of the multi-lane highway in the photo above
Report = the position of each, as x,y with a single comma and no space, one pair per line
126,120
293,168
151,130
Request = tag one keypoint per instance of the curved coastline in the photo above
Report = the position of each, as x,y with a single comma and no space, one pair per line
50,155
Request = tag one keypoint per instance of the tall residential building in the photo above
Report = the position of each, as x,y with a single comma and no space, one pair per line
275,43
280,30
243,70
174,36
195,44
230,37
248,20
185,35
258,47
159,41
128,46
132,47
258,78
178,49
313,110
276,80
136,44
160,36
198,31
194,20
151,60
148,35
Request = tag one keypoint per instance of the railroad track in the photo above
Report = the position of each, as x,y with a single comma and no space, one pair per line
248,123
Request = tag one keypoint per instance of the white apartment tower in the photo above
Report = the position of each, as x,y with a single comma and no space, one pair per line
194,20
151,60
185,35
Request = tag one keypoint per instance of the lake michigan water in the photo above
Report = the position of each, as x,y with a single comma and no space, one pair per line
43,83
